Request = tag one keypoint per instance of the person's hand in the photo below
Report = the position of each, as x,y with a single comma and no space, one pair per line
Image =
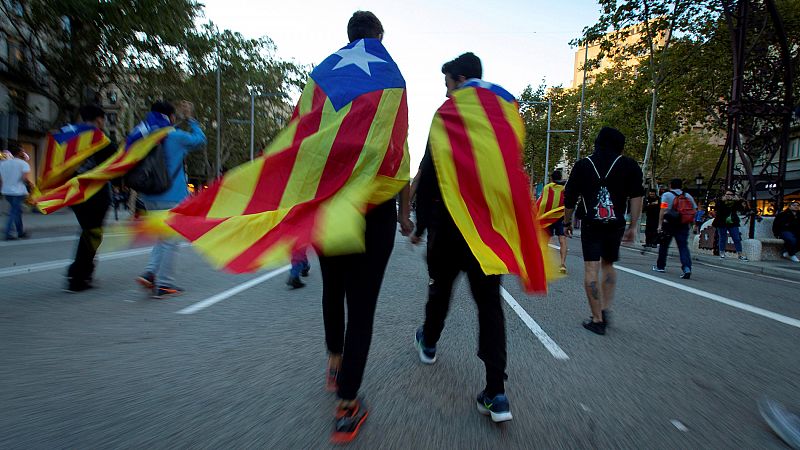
415,239
406,226
568,229
630,234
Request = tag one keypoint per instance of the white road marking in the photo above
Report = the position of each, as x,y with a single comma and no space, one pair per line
717,298
49,240
679,425
50,265
233,291
41,267
548,343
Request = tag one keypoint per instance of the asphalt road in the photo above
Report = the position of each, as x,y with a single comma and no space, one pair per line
228,367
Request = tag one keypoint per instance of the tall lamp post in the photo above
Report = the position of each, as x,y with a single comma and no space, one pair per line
252,121
549,104
698,181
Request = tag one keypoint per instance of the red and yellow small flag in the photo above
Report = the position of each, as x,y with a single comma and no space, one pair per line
65,150
551,204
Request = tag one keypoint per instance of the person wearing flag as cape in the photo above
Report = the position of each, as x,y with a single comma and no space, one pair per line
328,181
551,213
473,200
90,147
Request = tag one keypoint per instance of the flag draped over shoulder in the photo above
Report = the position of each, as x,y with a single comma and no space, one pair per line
343,149
476,143
65,150
140,141
551,204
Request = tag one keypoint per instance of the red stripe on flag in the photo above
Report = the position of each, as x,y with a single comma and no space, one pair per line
97,136
549,204
394,153
471,191
278,167
348,143
48,155
200,204
72,148
193,228
512,157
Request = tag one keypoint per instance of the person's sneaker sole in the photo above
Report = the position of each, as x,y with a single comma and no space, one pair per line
145,283
496,417
164,295
422,356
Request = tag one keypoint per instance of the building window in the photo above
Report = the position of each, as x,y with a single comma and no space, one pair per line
794,149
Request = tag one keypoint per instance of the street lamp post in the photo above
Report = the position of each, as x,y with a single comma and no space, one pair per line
549,104
698,180
252,121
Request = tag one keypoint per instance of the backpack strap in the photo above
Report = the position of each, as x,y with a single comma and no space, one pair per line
602,179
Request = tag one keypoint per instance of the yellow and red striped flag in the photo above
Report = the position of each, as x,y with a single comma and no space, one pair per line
344,149
140,141
476,143
551,204
65,150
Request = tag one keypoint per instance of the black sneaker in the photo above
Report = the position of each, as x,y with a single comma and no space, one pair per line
348,422
295,282
304,272
594,327
656,269
606,317
686,275
160,292
497,407
426,354
147,280
24,236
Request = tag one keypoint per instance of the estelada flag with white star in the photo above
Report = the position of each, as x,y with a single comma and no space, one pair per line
140,141
343,150
66,149
551,204
476,143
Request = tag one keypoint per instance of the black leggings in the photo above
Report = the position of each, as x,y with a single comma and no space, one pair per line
356,278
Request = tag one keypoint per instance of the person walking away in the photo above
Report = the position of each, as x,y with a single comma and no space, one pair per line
459,238
91,214
727,222
699,218
652,209
15,176
551,200
159,274
606,181
787,227
678,211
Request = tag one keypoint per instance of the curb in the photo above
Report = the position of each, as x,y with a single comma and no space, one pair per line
751,267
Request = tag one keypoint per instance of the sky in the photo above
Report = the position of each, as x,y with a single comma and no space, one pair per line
519,42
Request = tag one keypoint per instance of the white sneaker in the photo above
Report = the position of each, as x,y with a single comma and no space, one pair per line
785,255
722,256
794,258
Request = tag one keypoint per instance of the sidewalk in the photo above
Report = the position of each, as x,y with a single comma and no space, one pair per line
780,269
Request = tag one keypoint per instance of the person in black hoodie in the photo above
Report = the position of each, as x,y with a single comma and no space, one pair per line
605,181
91,214
787,227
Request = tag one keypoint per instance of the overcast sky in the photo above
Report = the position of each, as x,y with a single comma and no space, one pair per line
520,42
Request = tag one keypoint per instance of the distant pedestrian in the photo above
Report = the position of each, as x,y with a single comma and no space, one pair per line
652,212
727,222
699,218
300,267
606,182
159,273
787,227
553,197
15,176
678,210
91,214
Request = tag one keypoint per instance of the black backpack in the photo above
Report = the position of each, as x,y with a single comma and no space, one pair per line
150,176
603,206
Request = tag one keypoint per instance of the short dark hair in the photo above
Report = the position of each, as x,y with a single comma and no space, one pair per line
675,183
364,24
91,112
467,65
163,107
557,175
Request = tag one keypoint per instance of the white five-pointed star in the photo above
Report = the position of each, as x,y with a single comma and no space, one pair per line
357,56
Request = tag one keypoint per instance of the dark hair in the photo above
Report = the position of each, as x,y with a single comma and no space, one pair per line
163,107
362,25
610,139
467,65
556,175
675,183
91,112
15,150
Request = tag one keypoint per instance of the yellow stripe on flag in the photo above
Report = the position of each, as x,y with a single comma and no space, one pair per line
237,189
